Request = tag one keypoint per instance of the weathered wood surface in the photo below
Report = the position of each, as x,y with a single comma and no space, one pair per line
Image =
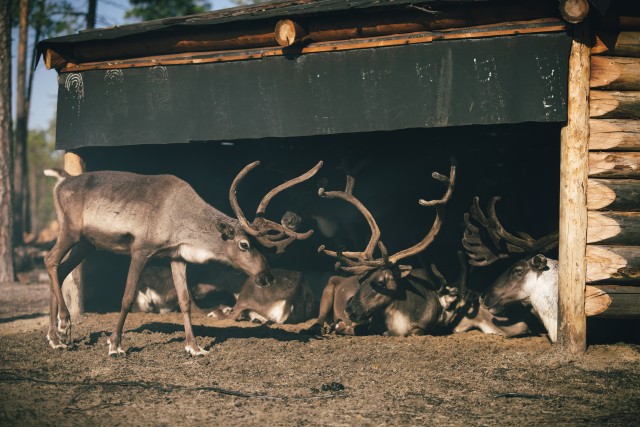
614,134
625,43
596,301
574,11
613,228
574,140
73,164
615,73
624,301
502,29
289,32
615,105
345,26
615,264
153,44
619,164
613,195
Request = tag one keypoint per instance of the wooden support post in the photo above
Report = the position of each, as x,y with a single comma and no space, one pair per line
574,166
72,288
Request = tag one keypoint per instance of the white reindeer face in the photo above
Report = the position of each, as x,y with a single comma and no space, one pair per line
516,284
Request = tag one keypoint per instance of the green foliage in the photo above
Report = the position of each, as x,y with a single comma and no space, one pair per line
51,18
41,148
147,10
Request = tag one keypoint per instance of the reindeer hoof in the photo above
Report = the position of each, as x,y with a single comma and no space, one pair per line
115,350
55,344
191,351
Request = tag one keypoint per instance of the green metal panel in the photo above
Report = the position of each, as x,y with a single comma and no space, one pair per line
451,83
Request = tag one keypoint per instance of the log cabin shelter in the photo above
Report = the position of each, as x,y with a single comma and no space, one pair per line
538,101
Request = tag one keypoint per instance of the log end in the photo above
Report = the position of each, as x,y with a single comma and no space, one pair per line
596,301
574,11
288,33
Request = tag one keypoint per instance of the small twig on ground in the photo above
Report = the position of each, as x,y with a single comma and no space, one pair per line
522,395
6,375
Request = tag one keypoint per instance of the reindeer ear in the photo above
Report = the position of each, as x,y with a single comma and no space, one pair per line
405,270
539,262
227,231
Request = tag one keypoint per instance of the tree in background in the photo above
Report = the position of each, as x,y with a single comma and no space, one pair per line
20,166
147,10
42,155
36,19
7,272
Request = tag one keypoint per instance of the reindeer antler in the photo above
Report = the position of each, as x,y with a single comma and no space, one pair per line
480,254
268,233
439,204
361,262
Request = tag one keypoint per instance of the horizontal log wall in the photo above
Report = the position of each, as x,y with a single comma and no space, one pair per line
613,190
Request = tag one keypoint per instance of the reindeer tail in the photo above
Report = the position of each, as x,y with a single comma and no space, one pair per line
58,174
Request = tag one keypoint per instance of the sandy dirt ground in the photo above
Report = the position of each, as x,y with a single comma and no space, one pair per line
259,375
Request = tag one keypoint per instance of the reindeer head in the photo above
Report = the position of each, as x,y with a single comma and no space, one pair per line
381,278
268,233
517,283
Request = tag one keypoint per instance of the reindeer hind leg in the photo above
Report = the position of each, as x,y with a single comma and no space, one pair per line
59,333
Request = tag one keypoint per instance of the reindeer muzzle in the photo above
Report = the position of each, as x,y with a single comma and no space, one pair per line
491,304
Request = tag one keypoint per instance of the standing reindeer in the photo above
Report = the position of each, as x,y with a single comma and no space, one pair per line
531,281
157,216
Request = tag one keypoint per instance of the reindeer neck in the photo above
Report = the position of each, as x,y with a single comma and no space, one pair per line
544,298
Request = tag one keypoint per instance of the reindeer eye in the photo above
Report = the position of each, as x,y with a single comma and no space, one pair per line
244,245
518,271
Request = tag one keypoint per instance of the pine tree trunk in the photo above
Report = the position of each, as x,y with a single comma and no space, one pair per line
91,14
20,172
7,272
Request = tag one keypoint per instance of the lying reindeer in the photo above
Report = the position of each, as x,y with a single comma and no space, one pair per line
531,281
157,216
157,294
404,300
333,306
463,310
290,300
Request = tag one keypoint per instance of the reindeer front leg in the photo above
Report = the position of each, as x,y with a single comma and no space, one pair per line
179,272
138,261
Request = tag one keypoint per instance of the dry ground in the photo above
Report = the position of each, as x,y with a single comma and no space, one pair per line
258,375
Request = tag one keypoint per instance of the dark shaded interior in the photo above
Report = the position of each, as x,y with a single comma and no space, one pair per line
518,162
